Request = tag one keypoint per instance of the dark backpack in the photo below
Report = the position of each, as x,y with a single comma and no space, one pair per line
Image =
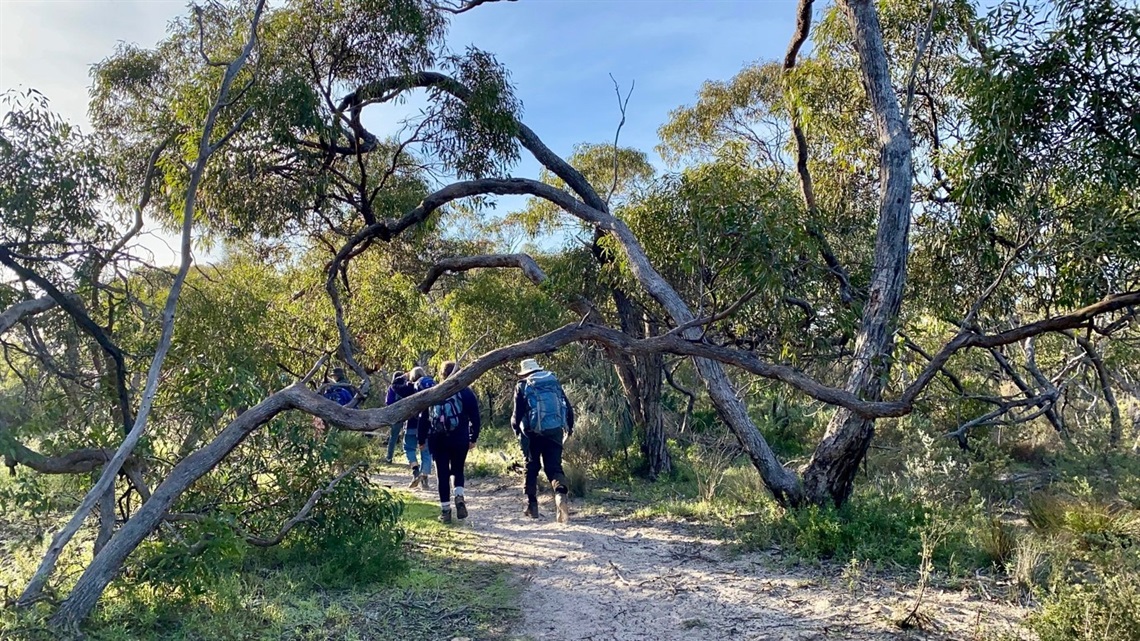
445,417
544,398
339,393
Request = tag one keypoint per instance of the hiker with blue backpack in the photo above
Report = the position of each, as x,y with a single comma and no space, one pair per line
339,391
449,429
411,436
542,419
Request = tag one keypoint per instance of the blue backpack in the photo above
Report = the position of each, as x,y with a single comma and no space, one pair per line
446,416
547,411
339,393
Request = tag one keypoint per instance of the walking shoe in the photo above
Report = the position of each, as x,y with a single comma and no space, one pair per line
388,460
531,507
416,477
460,507
562,505
445,516
424,482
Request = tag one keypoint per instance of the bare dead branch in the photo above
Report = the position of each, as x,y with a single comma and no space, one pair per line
1007,367
924,38
961,434
465,263
462,7
622,104
1116,431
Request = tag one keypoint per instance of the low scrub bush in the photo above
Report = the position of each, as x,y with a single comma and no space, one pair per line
884,530
1103,605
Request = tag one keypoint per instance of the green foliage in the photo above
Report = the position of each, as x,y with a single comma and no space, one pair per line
292,165
284,594
1104,606
876,528
54,177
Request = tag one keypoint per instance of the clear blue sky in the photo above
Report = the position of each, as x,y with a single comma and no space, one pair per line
560,53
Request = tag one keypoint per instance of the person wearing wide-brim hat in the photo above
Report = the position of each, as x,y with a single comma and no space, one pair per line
542,419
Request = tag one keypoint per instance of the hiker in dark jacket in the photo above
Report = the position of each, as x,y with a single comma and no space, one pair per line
400,388
411,438
450,429
542,419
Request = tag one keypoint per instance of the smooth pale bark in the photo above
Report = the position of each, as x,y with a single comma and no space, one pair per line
24,309
831,471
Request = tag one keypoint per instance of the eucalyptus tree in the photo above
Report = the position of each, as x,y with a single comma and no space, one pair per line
297,155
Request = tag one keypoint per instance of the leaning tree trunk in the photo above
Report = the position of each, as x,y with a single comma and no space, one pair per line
830,474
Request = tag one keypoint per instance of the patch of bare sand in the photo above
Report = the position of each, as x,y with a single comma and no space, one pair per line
605,579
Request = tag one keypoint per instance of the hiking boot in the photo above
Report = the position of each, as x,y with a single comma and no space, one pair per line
445,516
562,505
531,507
460,507
388,460
424,482
416,477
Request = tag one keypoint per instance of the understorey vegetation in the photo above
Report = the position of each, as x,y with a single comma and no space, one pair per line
879,312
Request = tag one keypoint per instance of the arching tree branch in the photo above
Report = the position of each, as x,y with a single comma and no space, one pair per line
24,309
465,263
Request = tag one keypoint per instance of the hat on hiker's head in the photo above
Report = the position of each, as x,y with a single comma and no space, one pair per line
529,365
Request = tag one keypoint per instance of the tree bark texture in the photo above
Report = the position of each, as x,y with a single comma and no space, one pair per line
831,471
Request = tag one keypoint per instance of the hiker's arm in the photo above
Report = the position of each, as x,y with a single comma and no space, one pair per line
471,409
421,428
519,410
569,414
391,397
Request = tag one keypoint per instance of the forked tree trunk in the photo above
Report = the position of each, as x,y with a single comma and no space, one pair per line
830,475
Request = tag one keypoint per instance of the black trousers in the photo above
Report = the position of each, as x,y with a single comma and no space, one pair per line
449,453
543,450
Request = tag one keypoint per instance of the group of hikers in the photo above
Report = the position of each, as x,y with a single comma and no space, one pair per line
442,434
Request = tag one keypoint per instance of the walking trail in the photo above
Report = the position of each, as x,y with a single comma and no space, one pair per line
608,578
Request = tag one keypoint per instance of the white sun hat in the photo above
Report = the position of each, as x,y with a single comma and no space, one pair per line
529,365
